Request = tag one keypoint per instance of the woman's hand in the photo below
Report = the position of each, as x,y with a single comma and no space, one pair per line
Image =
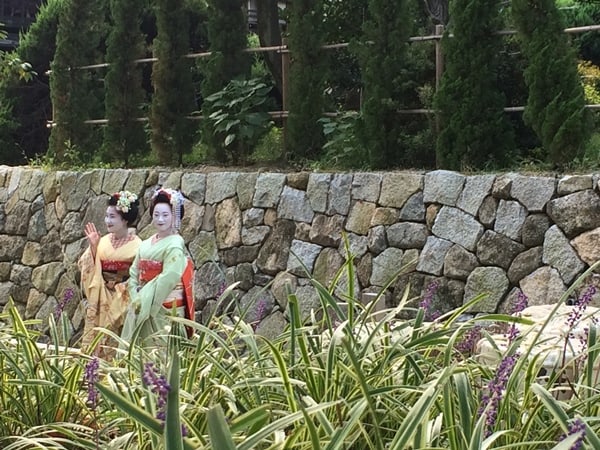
93,237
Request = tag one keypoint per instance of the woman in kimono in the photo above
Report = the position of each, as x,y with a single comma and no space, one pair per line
161,275
105,267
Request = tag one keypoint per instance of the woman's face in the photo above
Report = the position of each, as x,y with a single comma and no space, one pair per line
114,220
162,217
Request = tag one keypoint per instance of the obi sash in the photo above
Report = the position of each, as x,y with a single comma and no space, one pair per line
150,269
115,271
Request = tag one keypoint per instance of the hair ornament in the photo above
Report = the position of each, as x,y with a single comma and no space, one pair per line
124,200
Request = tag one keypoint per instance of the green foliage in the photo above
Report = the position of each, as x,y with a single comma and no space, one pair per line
124,136
239,117
304,137
579,13
173,99
342,23
357,378
227,34
76,93
474,130
12,70
382,56
270,147
555,104
342,149
32,105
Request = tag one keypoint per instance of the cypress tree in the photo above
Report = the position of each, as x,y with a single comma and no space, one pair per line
304,135
555,106
227,34
123,135
475,131
75,92
33,104
173,100
382,58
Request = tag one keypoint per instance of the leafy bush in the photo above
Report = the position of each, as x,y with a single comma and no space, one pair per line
356,379
239,116
342,148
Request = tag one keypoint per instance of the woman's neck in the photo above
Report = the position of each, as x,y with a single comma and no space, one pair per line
122,234
163,234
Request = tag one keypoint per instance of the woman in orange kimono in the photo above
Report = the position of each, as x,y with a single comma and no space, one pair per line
161,276
105,269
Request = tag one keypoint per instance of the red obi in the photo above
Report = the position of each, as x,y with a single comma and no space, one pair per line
149,269
115,266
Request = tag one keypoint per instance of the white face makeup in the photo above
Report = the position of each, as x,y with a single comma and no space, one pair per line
162,218
114,221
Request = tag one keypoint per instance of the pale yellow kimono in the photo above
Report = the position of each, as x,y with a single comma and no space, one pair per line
154,299
106,291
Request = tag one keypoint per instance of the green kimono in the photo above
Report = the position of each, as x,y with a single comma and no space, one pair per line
155,288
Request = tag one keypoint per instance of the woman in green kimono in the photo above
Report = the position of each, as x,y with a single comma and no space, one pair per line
160,276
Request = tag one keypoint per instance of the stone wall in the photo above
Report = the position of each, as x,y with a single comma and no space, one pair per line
455,236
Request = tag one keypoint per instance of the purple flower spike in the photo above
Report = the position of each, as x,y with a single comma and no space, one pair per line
521,303
490,402
576,427
60,307
427,300
470,338
582,303
91,378
158,385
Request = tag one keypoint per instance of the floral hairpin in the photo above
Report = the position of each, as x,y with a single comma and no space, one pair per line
124,200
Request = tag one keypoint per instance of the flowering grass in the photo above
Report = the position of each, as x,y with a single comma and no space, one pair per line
355,379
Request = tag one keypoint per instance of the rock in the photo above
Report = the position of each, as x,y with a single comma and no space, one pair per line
443,187
228,224
433,255
558,253
533,192
397,188
339,194
510,218
294,205
490,281
534,229
386,266
459,262
570,184
302,258
407,235
576,213
193,186
414,209
457,226
274,253
317,191
524,264
495,249
543,286
476,189
587,246
268,190
366,186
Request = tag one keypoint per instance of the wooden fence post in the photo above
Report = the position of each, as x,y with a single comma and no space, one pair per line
285,69
439,58
439,70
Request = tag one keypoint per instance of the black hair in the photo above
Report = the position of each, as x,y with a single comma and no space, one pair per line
163,197
131,215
